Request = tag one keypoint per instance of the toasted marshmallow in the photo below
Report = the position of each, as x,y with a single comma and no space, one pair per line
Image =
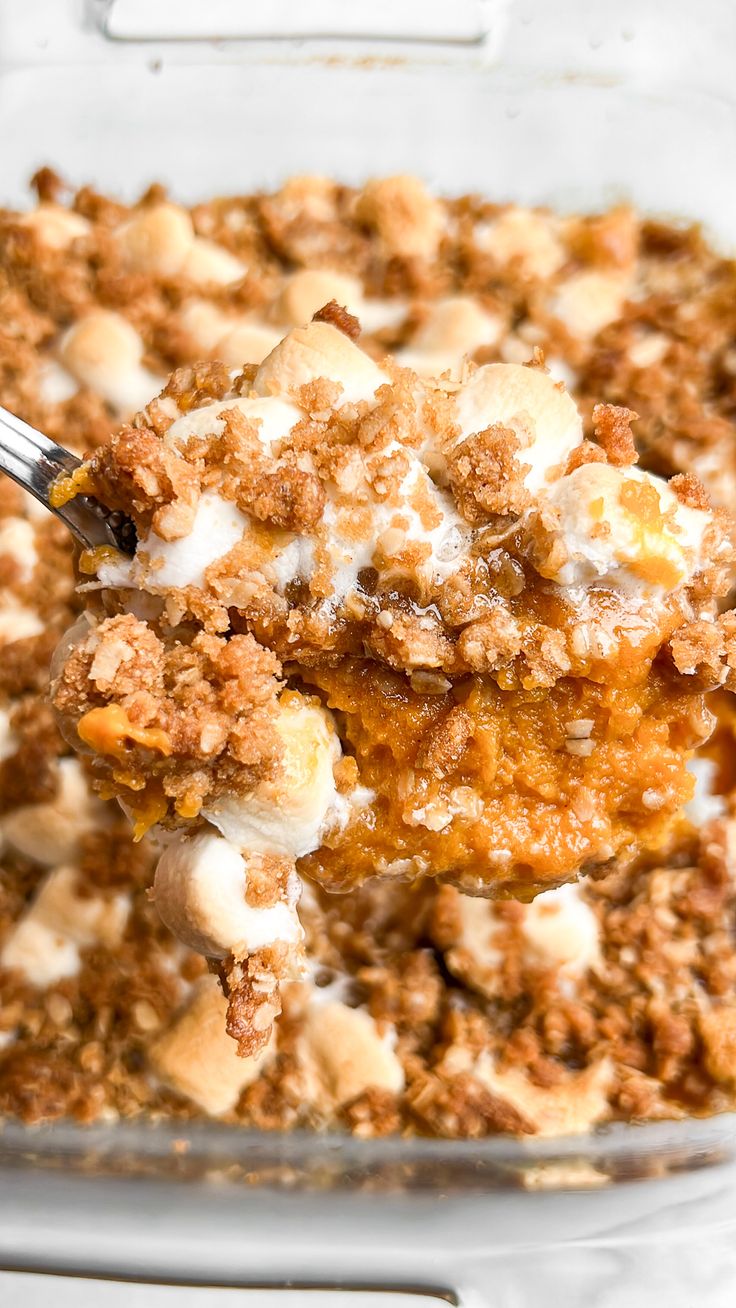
559,929
578,1103
589,300
210,264
453,328
246,342
342,1054
308,195
527,237
45,942
199,890
55,226
622,527
55,384
104,352
288,814
225,336
319,350
18,622
562,931
408,220
161,240
474,953
157,239
457,326
18,541
196,1058
528,401
206,324
49,833
311,289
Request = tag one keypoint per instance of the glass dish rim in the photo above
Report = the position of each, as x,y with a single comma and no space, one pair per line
331,1160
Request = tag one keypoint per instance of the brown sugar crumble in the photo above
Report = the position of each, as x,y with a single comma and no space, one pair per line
424,1010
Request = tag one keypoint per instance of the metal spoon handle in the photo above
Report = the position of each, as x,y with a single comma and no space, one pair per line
35,462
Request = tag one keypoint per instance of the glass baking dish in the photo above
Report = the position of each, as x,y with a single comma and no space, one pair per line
575,105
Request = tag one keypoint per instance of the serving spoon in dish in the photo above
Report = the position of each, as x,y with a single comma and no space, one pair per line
36,463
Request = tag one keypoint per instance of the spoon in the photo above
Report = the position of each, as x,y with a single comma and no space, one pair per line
35,463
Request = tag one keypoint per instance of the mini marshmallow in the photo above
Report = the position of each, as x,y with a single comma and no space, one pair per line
104,352
55,226
453,328
474,956
231,339
44,944
246,343
157,239
578,1103
527,400
311,289
50,832
342,1054
319,350
18,541
199,891
625,527
588,301
161,565
161,240
706,804
561,931
209,264
206,324
18,622
408,220
196,1057
288,815
275,418
457,325
527,237
55,384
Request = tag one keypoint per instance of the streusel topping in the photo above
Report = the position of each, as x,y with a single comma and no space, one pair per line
438,580
102,1014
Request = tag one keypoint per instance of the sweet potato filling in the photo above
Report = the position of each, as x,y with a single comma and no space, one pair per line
511,790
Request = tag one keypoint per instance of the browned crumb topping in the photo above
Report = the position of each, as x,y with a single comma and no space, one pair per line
663,1010
612,428
339,316
136,473
200,713
486,477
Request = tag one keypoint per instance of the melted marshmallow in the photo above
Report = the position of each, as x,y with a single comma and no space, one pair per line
529,402
199,890
288,815
163,565
18,541
624,527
